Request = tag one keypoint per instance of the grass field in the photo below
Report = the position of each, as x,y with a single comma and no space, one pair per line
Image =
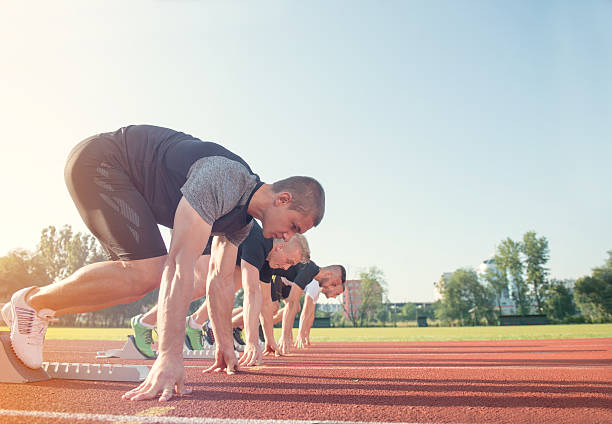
388,334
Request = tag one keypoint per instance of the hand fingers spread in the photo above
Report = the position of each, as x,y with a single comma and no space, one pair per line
180,388
136,390
166,394
150,394
211,369
246,357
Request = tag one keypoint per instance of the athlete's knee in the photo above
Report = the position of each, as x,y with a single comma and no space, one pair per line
143,276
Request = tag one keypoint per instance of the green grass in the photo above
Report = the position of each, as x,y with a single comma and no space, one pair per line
412,334
388,334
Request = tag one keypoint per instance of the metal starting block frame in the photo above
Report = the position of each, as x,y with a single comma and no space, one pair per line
97,372
206,353
130,351
12,370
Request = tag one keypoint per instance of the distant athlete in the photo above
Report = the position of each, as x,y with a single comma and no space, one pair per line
309,280
124,184
266,256
289,285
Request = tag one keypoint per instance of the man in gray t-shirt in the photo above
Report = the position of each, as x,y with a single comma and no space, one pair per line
126,183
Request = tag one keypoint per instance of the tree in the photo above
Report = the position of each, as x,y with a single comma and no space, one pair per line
350,306
559,301
594,297
63,252
372,291
593,294
464,299
19,269
509,263
498,283
409,312
60,254
536,256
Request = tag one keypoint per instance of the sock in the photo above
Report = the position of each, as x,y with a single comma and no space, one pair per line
144,324
194,324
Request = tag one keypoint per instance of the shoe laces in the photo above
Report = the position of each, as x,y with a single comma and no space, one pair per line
32,325
148,336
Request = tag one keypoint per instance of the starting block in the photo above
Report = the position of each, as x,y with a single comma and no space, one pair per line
12,370
206,353
128,351
98,372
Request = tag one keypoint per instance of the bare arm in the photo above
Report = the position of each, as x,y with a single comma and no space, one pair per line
306,321
189,238
292,307
267,320
220,299
266,311
251,310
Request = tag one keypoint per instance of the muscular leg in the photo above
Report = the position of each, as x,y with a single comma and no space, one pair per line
99,285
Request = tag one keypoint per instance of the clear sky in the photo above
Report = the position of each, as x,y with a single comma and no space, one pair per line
437,128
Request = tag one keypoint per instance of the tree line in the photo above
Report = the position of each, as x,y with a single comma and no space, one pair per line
59,253
518,272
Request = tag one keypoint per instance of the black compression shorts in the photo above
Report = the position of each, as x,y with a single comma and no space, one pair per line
109,203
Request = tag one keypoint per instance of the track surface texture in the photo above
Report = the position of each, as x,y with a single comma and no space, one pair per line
529,381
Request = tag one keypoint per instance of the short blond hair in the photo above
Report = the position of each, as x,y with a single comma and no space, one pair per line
300,241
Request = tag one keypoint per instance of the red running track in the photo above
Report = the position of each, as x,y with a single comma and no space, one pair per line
542,381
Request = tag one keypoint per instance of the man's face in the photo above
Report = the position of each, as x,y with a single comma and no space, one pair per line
280,222
283,256
332,287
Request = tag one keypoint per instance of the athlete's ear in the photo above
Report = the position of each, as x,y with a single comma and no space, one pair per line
283,198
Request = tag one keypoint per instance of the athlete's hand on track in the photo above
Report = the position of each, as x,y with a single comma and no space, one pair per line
301,342
167,376
284,345
251,356
272,349
224,361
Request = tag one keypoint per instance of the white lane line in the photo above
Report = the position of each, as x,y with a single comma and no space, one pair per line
74,416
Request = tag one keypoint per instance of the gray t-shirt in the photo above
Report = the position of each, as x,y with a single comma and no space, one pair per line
219,190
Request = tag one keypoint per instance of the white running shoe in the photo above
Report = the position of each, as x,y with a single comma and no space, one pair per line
7,315
28,329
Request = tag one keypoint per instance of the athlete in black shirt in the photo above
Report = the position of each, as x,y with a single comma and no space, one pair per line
127,182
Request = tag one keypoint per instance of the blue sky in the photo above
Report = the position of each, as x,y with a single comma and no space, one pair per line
437,128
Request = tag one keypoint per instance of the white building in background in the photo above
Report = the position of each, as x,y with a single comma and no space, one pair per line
508,307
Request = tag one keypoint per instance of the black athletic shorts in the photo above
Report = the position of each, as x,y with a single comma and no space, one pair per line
279,290
109,203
